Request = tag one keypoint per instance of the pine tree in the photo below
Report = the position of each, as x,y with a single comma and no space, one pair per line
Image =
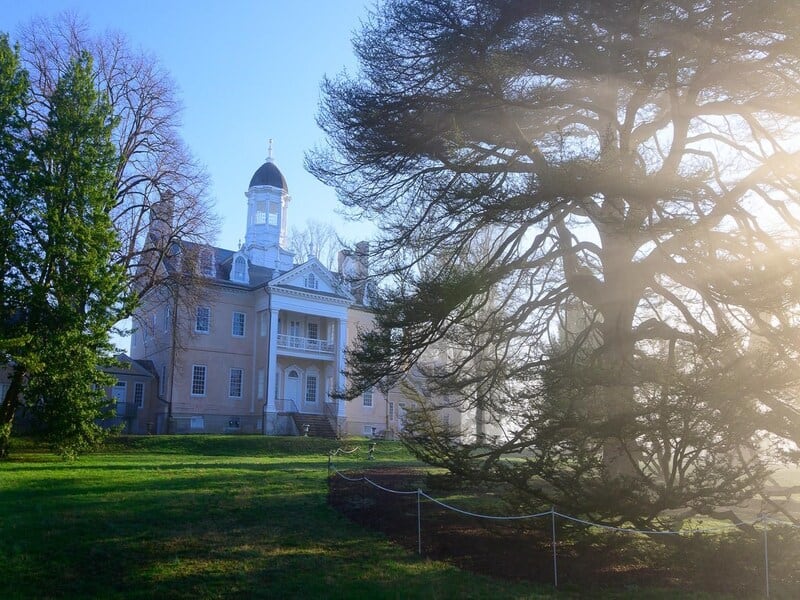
633,158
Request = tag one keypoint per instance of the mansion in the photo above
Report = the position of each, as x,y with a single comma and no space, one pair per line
258,345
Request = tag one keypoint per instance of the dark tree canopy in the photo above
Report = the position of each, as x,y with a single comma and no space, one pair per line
596,205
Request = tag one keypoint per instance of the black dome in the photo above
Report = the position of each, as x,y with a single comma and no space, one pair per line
269,174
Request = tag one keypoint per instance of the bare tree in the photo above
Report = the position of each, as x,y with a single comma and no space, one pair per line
167,313
318,240
159,185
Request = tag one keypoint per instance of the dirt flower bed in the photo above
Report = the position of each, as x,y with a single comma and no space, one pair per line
731,563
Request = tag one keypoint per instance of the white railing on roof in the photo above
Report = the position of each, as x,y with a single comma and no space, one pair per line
302,344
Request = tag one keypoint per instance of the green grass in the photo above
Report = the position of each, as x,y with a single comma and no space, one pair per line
207,517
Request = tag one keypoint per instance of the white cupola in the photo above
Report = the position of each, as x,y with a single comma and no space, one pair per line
267,203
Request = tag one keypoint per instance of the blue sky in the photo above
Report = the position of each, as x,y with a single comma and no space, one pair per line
246,71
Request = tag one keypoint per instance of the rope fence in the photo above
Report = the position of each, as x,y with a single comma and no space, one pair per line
763,520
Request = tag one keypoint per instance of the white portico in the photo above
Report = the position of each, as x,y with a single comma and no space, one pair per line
308,334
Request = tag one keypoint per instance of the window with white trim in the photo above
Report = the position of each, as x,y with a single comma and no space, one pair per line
391,411
311,281
202,322
313,331
138,394
294,328
235,383
237,325
367,396
311,388
273,213
198,380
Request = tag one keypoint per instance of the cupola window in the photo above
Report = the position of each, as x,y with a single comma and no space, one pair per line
261,213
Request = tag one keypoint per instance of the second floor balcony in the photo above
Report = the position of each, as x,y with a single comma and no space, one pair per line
302,345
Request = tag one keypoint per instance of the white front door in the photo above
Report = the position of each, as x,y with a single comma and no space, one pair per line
293,388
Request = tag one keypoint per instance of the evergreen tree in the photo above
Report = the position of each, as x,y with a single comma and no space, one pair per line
70,291
636,164
14,169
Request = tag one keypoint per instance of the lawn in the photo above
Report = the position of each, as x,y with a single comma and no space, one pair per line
207,517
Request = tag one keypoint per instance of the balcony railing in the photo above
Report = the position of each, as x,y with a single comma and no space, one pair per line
302,344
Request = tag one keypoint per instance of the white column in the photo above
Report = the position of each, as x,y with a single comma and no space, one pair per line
272,360
340,364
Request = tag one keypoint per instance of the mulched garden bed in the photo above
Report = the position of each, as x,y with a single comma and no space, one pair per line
522,550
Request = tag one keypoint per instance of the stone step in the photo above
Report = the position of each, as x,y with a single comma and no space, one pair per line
318,425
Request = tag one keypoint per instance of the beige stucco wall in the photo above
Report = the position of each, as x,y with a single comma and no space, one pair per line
219,351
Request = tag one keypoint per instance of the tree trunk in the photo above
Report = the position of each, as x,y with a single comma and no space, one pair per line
617,393
8,409
619,453
480,424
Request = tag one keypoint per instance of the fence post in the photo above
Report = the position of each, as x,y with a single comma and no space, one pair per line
766,554
419,521
555,559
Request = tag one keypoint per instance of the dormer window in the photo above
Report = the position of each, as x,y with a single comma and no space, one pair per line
240,269
311,281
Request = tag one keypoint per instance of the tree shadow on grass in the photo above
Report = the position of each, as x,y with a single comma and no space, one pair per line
190,538
730,563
